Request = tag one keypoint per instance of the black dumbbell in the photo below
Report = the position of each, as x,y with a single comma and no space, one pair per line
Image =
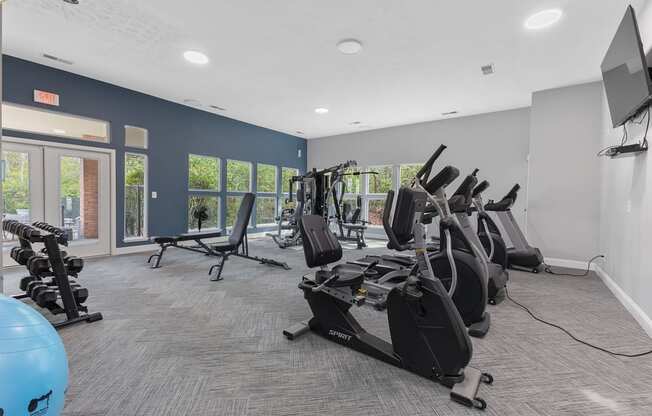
25,281
23,256
45,297
74,264
80,294
39,266
38,289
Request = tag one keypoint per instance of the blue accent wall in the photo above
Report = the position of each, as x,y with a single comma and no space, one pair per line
174,132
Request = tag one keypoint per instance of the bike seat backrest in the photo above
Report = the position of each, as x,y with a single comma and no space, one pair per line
320,246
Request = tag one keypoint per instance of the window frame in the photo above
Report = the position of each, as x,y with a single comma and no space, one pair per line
219,174
104,140
145,236
251,177
214,193
268,194
128,126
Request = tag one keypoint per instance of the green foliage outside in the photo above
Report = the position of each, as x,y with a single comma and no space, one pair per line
232,206
352,182
287,174
16,184
265,210
70,177
211,203
382,182
134,195
204,173
266,178
134,170
238,176
408,172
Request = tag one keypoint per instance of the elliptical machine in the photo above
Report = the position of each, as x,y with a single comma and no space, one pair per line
522,255
488,232
460,203
428,335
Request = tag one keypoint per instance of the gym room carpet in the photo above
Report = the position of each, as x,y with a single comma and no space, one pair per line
174,343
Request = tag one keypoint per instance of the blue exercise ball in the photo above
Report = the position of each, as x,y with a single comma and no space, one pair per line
33,362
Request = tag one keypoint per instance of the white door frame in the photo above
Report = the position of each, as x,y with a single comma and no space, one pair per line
112,174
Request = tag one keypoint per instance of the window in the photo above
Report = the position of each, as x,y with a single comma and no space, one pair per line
266,178
203,173
408,172
265,210
375,212
286,175
32,120
232,206
266,194
382,182
135,195
206,208
378,185
136,137
352,183
204,188
16,188
238,176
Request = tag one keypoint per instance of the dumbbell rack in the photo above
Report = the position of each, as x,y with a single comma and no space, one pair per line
28,235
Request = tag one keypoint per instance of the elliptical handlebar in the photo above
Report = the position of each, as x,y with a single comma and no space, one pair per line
480,188
426,169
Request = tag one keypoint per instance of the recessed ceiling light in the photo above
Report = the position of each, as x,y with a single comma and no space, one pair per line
349,46
321,110
59,131
543,19
195,57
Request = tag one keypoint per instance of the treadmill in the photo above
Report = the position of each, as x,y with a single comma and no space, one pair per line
522,255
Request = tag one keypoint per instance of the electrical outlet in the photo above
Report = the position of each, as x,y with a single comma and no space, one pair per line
628,206
299,153
154,195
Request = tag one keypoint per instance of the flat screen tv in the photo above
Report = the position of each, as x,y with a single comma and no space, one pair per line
625,72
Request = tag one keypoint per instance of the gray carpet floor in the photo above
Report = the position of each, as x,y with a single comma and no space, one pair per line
174,343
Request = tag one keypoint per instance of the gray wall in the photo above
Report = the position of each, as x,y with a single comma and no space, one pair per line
626,208
564,186
496,143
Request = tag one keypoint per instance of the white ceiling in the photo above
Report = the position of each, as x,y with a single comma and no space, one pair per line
273,62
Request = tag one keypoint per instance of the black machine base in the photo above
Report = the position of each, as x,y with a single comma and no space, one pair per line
530,259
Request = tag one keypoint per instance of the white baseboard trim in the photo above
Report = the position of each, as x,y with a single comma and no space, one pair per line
639,315
569,264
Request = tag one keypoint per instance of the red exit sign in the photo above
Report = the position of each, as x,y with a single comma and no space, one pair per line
45,97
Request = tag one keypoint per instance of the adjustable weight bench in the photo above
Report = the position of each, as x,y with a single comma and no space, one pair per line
173,241
236,245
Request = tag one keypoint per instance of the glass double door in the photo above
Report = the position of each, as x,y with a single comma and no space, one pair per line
63,187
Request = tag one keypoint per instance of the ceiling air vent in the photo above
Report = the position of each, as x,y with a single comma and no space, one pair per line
217,107
488,69
57,59
450,113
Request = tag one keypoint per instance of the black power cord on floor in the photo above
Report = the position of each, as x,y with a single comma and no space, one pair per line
543,321
548,269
